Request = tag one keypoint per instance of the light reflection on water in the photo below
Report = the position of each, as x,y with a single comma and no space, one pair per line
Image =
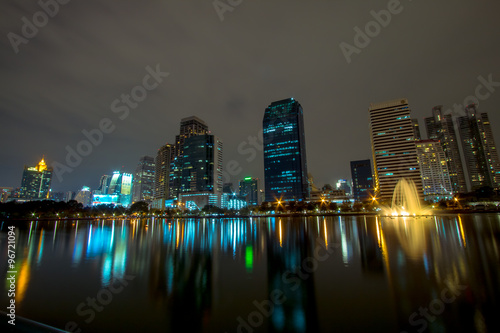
332,273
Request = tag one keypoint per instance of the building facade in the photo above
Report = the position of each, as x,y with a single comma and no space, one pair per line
202,165
249,189
362,179
393,147
441,127
285,162
36,181
434,171
162,184
479,150
144,180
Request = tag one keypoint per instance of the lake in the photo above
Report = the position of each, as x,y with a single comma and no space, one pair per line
288,274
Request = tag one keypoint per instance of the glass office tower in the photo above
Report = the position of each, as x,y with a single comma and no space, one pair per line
285,166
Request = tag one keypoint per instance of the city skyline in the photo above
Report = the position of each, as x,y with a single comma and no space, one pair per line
64,80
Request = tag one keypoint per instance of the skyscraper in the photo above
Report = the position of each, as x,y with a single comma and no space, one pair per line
441,127
416,129
202,164
84,196
434,170
249,189
36,181
285,166
162,176
190,126
479,149
393,147
362,179
144,179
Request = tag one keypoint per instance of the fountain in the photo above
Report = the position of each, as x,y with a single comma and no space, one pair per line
405,200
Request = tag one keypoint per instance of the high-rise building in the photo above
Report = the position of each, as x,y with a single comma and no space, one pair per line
393,147
441,127
416,129
190,126
285,162
5,193
479,149
202,164
119,189
201,172
57,196
249,189
344,185
162,186
362,179
144,179
84,196
434,171
35,184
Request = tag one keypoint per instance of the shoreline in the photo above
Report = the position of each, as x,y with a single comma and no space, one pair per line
435,213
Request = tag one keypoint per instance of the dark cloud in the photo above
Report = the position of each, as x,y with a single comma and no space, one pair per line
64,79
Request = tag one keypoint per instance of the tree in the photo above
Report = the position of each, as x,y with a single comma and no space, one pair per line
139,207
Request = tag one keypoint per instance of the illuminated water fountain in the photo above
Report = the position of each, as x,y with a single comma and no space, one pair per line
405,200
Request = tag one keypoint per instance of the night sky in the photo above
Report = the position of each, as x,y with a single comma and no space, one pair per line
64,78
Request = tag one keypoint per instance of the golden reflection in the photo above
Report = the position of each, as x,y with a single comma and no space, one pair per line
177,236
462,235
281,239
326,233
411,235
22,280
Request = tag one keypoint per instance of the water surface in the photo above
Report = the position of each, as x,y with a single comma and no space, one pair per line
307,274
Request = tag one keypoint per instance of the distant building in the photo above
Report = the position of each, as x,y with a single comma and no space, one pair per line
343,184
68,196
393,147
434,171
416,129
228,188
5,193
144,180
84,196
441,127
202,165
480,154
362,179
104,183
189,127
57,196
285,166
120,185
162,183
36,181
249,189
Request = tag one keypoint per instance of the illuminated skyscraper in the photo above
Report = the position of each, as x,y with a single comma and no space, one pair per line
144,179
35,184
202,164
190,126
393,146
121,185
84,196
285,163
362,179
441,127
249,189
162,176
479,149
434,170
